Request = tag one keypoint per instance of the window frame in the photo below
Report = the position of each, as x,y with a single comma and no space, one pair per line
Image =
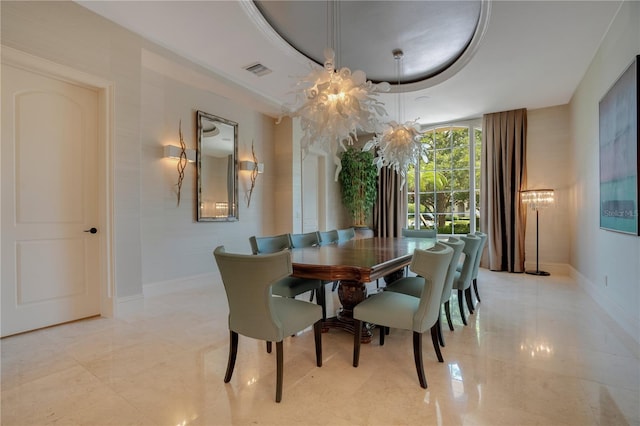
474,187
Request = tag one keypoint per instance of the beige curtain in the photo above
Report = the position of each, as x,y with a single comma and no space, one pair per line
503,173
390,211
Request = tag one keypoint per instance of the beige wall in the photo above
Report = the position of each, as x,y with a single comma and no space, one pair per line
549,166
154,241
607,264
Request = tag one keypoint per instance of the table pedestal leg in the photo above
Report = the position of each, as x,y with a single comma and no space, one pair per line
350,294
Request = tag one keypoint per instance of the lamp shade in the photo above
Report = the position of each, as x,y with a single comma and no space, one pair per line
537,198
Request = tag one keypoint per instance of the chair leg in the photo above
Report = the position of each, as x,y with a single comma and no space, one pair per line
383,331
357,335
467,295
417,356
268,347
461,306
439,327
436,344
334,286
317,336
279,367
447,310
475,289
311,296
233,352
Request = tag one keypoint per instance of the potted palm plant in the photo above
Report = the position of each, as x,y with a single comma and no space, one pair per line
358,184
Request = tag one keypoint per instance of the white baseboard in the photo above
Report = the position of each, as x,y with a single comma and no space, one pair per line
552,268
129,304
170,286
622,324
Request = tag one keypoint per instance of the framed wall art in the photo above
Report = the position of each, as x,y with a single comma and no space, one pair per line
620,153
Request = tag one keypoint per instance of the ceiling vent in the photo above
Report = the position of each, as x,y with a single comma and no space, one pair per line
258,69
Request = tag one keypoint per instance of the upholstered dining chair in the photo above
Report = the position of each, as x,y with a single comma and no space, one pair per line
346,234
288,286
253,310
413,285
307,239
328,237
476,265
417,233
457,245
272,244
463,276
398,310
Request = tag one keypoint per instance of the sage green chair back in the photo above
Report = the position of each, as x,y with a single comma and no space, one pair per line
399,310
329,237
247,282
346,234
309,239
463,277
476,264
413,285
287,286
261,245
457,245
253,310
419,233
432,265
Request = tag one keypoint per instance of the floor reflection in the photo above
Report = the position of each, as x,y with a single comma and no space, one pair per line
521,360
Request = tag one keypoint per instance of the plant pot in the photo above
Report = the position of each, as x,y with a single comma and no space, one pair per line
363,232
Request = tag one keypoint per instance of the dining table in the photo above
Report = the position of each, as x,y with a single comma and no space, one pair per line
353,264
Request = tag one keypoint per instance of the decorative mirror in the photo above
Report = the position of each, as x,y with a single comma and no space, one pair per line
217,172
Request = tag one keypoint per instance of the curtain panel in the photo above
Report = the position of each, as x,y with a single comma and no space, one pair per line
390,211
503,173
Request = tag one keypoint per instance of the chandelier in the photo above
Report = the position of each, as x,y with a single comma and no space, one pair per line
399,144
334,104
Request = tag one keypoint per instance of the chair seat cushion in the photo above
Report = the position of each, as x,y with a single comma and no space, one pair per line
389,309
408,285
292,286
295,315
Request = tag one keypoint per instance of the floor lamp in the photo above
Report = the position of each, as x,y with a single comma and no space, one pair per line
537,199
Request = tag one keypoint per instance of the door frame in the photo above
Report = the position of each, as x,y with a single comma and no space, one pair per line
105,89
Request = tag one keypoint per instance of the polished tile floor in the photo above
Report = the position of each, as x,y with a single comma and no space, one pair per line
537,351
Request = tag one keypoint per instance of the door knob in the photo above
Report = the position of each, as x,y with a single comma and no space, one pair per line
92,230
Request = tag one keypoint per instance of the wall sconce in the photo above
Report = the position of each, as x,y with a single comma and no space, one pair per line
172,151
254,167
183,155
251,166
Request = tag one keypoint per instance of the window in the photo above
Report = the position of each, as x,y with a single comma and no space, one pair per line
448,194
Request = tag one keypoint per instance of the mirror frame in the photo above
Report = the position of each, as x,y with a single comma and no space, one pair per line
232,215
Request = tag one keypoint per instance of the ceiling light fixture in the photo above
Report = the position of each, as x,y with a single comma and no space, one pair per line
398,145
334,104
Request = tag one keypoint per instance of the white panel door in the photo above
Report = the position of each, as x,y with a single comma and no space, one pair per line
50,265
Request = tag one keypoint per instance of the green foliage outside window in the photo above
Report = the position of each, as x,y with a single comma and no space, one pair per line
444,188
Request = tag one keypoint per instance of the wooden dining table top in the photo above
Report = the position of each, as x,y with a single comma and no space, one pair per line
362,260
